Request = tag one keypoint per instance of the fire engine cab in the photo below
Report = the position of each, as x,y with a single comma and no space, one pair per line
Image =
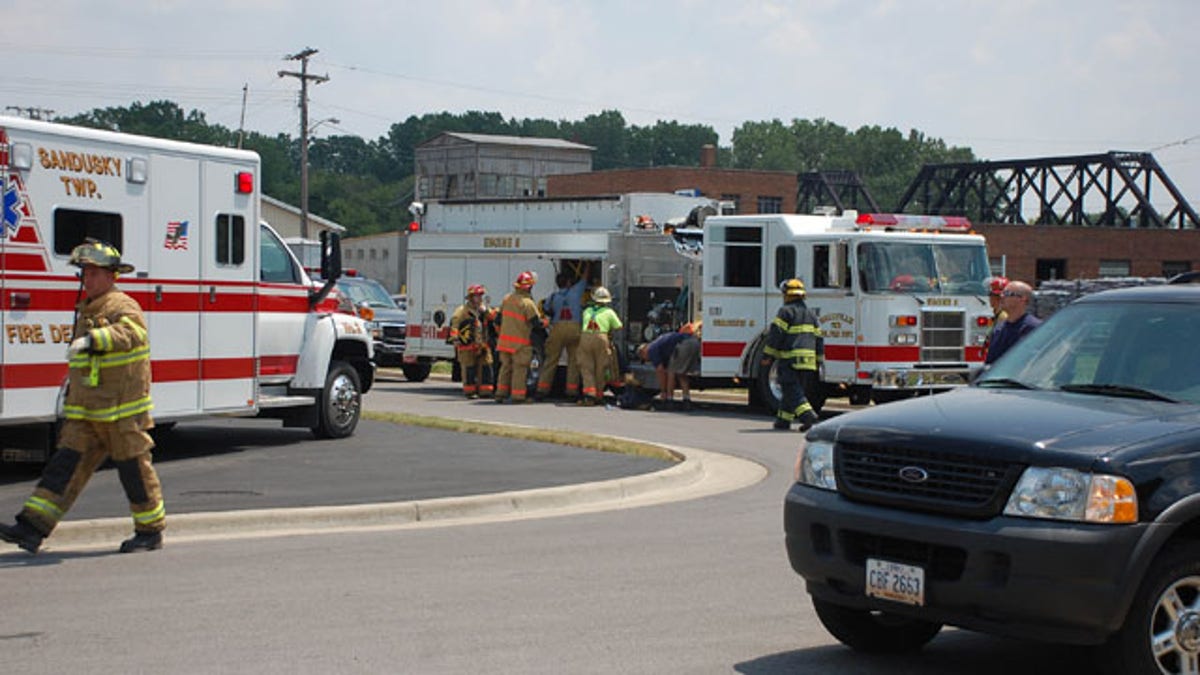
236,325
902,299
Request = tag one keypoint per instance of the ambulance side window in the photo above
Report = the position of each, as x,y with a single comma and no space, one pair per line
71,227
231,239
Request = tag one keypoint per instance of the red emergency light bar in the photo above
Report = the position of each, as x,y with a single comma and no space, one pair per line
957,223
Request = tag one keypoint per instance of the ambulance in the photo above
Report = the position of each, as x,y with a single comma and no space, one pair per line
236,325
902,299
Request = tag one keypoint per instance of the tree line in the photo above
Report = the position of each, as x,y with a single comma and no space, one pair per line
366,185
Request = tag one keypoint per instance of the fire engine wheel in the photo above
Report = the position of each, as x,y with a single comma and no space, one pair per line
416,372
341,402
769,393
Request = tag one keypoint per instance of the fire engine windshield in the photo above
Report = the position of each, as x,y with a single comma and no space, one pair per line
922,267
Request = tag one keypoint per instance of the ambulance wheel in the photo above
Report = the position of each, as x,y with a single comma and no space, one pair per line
341,402
860,395
416,372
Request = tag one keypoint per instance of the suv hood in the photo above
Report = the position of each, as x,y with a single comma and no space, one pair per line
390,315
1013,424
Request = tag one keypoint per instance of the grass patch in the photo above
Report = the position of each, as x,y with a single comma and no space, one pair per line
558,436
442,367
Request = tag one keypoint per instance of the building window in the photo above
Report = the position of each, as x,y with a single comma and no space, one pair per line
1051,268
373,254
996,266
1114,268
384,254
1172,268
735,201
770,204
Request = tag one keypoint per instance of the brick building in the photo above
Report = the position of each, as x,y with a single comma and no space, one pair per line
751,191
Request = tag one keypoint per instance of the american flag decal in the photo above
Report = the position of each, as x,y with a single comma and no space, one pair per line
176,236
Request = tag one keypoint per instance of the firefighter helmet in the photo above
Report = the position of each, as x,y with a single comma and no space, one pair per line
996,285
525,280
793,288
476,289
601,296
99,254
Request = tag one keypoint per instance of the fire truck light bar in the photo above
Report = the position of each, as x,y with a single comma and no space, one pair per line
914,222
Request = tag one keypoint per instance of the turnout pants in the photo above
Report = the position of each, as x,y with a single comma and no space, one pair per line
476,368
793,382
82,448
594,355
514,372
564,336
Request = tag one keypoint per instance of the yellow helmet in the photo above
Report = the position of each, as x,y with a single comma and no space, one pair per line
793,288
99,254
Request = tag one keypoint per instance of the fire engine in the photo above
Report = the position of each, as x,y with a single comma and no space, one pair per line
902,299
237,327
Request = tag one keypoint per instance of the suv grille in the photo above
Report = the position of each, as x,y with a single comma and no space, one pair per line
940,482
943,335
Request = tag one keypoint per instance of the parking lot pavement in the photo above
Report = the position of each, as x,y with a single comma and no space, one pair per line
230,477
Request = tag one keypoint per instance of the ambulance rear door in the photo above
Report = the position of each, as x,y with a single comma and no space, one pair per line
228,301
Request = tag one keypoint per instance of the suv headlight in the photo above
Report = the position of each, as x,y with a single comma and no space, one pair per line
814,465
1066,494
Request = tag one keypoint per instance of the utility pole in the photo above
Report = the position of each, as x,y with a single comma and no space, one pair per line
242,121
303,56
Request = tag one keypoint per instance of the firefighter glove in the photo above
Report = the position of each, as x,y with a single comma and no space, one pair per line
80,345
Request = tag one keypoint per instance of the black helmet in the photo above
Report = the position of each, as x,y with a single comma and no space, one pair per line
100,254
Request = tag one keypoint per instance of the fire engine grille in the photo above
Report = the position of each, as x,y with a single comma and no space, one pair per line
925,480
943,335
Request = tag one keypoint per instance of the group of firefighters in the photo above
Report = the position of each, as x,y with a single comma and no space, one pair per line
581,326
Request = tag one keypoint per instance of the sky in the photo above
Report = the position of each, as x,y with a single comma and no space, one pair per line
1009,79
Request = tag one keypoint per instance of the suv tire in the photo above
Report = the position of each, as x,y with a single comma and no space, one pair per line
1161,633
874,632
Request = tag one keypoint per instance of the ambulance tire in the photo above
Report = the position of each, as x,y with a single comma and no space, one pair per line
417,372
341,402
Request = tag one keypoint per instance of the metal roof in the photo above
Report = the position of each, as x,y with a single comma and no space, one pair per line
489,139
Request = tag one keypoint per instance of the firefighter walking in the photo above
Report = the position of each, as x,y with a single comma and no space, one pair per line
595,345
518,316
107,410
794,339
468,333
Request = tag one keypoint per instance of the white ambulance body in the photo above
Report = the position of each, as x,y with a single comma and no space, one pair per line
236,325
902,299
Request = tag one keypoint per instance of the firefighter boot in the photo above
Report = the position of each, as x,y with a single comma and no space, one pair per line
22,534
808,419
142,541
782,425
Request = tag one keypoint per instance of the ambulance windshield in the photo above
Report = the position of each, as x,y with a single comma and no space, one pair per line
923,267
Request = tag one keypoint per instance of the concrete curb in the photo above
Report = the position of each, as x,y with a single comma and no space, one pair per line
701,473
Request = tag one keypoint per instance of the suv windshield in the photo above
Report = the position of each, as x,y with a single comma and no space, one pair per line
368,291
1132,349
895,267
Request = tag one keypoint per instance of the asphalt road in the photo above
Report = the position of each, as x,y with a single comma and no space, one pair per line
698,585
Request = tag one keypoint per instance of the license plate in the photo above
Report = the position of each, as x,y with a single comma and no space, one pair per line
895,581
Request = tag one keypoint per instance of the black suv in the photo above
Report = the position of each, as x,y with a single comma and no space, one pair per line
388,323
1056,498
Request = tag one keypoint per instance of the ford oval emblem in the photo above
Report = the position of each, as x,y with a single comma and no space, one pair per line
914,474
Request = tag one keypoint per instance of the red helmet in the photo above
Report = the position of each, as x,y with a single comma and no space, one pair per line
476,289
997,284
525,280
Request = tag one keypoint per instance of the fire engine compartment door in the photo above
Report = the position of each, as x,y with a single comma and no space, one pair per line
176,239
